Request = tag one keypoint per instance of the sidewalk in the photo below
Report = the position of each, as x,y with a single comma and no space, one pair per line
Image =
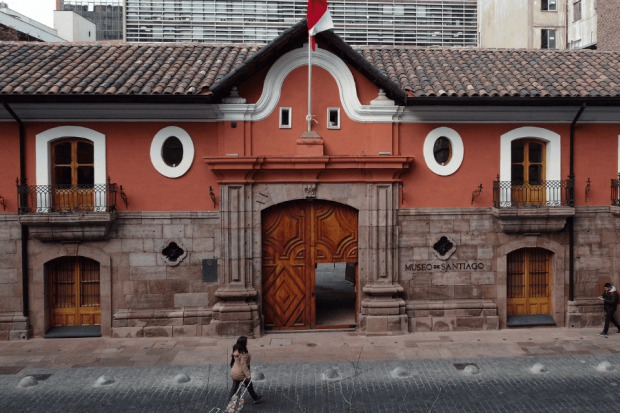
306,347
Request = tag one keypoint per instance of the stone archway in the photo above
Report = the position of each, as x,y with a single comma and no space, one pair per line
559,275
250,184
40,317
238,312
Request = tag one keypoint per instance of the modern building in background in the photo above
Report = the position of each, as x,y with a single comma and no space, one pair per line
68,27
106,14
540,24
392,23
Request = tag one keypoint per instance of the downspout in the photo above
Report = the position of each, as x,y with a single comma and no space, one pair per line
571,226
24,228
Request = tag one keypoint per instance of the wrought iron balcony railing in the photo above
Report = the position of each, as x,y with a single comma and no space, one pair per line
543,193
66,198
615,191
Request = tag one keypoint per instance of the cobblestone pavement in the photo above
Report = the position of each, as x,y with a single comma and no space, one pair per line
294,366
571,384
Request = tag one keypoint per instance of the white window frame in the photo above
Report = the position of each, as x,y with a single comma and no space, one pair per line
552,5
188,152
555,39
44,142
458,151
553,170
337,126
290,118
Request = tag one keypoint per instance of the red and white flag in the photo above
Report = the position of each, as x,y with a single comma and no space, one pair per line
319,18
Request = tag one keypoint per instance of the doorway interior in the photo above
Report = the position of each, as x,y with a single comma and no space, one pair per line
335,286
307,247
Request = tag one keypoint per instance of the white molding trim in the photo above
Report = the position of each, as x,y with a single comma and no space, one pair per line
553,150
44,156
173,113
298,58
458,151
188,152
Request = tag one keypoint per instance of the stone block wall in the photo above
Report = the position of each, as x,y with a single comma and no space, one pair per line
149,296
597,261
463,290
467,290
13,325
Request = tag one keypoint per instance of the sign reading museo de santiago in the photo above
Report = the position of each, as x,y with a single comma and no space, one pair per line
446,266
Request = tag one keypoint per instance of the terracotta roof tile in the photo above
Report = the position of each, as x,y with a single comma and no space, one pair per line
192,69
116,69
502,73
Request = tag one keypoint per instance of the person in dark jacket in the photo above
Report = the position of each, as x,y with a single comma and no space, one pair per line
610,303
240,372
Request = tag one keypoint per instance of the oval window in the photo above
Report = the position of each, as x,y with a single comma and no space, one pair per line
442,150
172,151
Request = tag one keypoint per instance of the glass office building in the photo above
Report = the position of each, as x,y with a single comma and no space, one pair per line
106,14
387,22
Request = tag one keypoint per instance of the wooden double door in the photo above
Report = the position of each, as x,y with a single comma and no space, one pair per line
296,236
529,282
74,292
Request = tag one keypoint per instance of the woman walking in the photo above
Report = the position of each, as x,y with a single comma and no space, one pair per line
240,363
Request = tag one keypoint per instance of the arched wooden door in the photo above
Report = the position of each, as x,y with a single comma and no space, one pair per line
74,292
296,236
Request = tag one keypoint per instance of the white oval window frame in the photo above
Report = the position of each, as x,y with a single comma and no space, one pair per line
157,146
458,151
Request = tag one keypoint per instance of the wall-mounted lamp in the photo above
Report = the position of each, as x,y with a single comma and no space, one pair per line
124,197
212,196
587,190
2,202
477,192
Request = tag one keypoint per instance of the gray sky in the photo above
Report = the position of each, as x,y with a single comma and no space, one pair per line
39,10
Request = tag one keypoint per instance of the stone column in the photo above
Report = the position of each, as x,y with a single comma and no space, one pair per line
382,311
236,313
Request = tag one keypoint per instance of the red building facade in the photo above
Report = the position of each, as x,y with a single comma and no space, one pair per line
170,190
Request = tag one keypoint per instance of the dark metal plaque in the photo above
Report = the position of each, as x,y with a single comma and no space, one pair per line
209,270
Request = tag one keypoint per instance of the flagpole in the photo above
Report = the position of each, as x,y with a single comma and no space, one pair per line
309,117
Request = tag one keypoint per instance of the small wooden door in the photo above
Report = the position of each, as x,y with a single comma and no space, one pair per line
73,175
74,289
296,236
529,282
528,172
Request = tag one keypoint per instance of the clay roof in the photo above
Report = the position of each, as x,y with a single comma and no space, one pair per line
57,69
436,72
116,69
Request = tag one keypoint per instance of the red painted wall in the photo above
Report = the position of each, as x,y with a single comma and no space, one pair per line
128,146
9,165
596,156
129,164
352,138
